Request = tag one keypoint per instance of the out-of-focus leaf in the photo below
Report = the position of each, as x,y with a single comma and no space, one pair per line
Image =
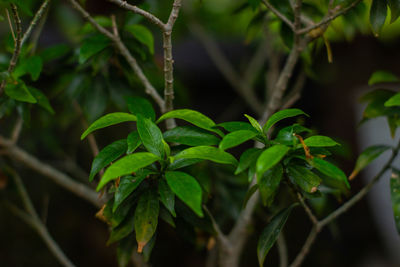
191,136
382,76
393,101
366,157
248,157
42,100
394,10
378,15
395,197
91,46
121,231
330,170
142,34
17,90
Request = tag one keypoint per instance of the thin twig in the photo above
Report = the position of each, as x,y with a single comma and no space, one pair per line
35,20
17,130
220,235
278,14
308,210
10,24
306,247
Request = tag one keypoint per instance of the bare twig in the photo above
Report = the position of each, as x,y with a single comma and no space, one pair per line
17,130
35,20
10,24
308,210
278,14
220,235
306,247
282,249
295,92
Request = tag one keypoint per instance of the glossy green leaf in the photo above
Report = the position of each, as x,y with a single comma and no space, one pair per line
167,196
393,101
367,156
395,197
382,76
247,158
320,141
108,120
270,157
207,153
280,115
139,105
285,135
133,141
41,99
234,126
150,135
304,178
146,218
17,90
107,155
193,117
268,184
236,138
254,123
191,136
394,10
270,234
330,170
127,185
91,46
142,34
122,230
126,166
378,15
186,189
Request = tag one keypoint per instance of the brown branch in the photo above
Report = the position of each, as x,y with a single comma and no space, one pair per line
220,235
307,209
282,249
306,247
17,130
38,15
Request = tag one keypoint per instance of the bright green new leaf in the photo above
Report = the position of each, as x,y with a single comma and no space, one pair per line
107,155
330,170
395,197
193,117
270,234
382,76
254,123
186,189
127,165
393,101
146,217
320,141
191,136
378,15
270,157
41,99
150,135
268,184
304,178
91,46
143,35
139,105
207,153
133,141
248,157
127,185
236,138
17,90
394,10
280,115
366,157
167,196
108,120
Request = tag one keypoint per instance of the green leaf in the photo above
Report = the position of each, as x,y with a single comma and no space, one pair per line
207,153
382,76
330,170
320,141
91,46
143,35
32,65
270,234
54,52
139,105
249,194
254,123
181,163
167,197
108,120
106,156
101,20
285,135
42,100
146,218
236,138
121,231
17,90
268,184
376,103
124,251
280,115
366,157
133,141
395,197
186,189
254,3
304,178
393,101
167,217
234,126
191,136
127,165
378,15
127,185
193,117
248,157
394,9
150,135
270,157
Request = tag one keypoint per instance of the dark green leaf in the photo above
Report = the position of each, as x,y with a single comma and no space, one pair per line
106,156
304,178
108,120
207,153
280,115
133,141
150,135
146,218
268,184
393,101
236,138
101,20
149,248
167,217
248,157
395,197
191,136
167,197
394,9
17,90
122,230
127,165
378,15
187,189
270,234
234,126
249,194
270,157
41,99
32,65
127,185
320,141
91,46
254,3
139,105
143,35
124,251
382,76
54,52
330,170
366,157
